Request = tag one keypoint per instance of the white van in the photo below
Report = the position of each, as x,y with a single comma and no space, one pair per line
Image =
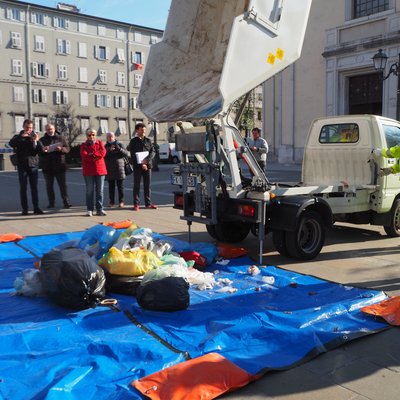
168,154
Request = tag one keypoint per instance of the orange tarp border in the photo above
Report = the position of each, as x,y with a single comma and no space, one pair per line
388,309
205,377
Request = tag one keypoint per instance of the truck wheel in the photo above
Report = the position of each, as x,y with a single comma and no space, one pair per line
307,240
211,231
175,160
279,241
231,232
393,230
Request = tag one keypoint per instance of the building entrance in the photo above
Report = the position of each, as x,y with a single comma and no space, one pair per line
365,94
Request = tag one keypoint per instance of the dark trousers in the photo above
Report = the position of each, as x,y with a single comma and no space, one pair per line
111,190
60,178
138,174
25,173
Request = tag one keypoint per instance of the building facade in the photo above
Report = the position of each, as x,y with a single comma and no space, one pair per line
57,62
335,74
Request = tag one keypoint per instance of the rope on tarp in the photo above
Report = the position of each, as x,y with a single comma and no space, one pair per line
185,354
28,251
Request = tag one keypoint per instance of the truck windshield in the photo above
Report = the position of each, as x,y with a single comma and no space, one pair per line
339,133
392,134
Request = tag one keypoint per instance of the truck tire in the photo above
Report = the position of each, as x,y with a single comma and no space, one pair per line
231,232
393,230
211,231
175,160
306,242
279,241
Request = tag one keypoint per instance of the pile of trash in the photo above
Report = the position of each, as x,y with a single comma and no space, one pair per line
155,269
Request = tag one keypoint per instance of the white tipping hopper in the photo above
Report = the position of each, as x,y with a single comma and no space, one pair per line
214,51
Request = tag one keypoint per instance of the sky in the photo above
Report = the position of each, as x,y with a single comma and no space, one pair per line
149,13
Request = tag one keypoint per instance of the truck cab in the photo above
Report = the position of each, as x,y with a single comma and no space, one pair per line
348,161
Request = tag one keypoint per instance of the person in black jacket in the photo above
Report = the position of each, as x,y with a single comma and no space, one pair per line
115,163
26,145
53,164
142,153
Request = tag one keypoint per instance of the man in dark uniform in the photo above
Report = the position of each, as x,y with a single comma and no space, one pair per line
142,154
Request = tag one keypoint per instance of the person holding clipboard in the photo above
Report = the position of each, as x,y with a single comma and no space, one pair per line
142,155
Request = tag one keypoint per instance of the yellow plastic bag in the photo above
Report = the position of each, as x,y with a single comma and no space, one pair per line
130,263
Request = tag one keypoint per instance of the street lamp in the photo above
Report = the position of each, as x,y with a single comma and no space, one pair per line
380,61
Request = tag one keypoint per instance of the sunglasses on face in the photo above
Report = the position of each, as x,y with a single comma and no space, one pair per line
90,134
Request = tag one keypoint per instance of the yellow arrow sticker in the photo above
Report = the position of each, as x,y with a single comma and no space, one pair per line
271,59
279,54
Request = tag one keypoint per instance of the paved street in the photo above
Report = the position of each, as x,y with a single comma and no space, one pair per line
368,368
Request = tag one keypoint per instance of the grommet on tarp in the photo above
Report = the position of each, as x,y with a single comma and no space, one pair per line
150,389
108,302
111,303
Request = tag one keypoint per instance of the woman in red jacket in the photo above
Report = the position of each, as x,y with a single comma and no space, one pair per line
94,171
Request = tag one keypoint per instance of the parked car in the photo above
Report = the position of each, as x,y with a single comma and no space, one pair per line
168,154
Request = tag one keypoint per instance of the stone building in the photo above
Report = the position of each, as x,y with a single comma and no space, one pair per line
335,74
60,62
57,57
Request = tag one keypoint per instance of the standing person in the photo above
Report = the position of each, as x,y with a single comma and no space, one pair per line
53,164
259,148
94,171
115,163
26,145
142,162
392,152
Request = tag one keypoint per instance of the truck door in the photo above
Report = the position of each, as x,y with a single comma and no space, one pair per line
392,181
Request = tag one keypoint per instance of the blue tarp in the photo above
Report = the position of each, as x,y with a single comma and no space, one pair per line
47,352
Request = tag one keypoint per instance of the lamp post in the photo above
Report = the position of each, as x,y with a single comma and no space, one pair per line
380,61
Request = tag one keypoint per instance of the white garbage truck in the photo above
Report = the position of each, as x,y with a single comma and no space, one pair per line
212,53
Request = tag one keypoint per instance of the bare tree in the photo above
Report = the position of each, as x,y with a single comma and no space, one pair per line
66,122
245,110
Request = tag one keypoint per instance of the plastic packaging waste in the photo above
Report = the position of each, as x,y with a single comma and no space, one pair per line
201,280
129,263
164,271
174,259
226,289
128,232
268,279
161,248
98,239
29,284
253,270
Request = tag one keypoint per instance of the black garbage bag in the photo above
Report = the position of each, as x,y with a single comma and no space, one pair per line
166,294
122,284
72,279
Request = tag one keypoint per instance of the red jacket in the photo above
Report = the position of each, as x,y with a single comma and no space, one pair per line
93,158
